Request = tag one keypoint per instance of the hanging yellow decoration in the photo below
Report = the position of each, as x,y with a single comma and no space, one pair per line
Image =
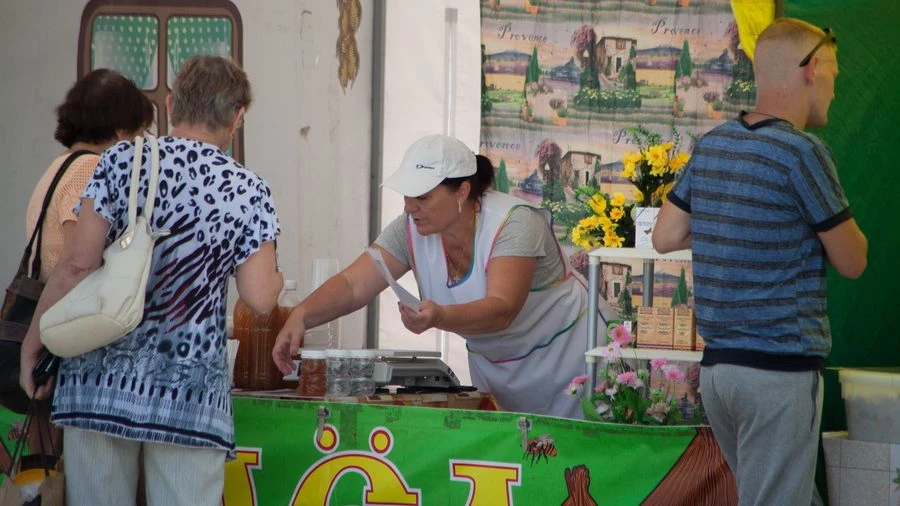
752,16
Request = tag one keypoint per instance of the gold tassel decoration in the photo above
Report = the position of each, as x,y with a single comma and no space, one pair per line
349,18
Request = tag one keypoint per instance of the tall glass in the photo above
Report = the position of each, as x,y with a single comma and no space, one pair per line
327,335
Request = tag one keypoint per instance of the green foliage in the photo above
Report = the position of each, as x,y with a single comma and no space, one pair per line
588,78
742,89
554,192
633,53
594,183
566,214
606,100
628,77
486,103
743,68
741,92
501,180
624,395
685,66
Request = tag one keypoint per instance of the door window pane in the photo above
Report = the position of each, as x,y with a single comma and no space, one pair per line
192,35
128,45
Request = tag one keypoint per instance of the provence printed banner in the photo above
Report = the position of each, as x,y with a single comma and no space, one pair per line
566,82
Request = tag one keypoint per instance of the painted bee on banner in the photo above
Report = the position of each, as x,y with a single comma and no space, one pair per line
539,447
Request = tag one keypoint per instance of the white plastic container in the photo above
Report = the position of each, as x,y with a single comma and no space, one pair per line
872,400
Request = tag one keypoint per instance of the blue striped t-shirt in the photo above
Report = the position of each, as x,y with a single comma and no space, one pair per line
758,195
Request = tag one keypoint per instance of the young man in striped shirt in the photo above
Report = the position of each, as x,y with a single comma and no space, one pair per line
761,207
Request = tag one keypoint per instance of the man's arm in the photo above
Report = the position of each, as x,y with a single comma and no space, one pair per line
846,248
673,229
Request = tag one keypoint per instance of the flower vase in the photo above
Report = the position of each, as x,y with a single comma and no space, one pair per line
644,221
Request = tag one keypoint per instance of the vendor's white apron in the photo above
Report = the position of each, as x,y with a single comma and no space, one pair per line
527,366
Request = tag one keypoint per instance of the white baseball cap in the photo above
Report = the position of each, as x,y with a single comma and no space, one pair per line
429,161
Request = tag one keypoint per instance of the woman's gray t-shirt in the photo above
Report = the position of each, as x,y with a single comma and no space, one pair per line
525,234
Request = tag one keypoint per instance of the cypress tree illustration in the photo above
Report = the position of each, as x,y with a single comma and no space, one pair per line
501,180
626,308
628,77
533,73
682,294
685,66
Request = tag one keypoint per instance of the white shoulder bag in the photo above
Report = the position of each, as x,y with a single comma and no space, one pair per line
109,302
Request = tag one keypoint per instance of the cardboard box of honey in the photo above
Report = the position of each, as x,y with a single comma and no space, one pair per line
664,326
655,327
646,327
683,334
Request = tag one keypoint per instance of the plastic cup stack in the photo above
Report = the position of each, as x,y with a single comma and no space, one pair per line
362,369
337,372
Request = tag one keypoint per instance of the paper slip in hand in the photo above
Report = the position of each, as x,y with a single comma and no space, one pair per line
405,297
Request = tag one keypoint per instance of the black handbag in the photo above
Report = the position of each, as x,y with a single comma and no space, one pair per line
21,299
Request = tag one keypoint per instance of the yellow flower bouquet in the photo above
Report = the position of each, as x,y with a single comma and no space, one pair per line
652,169
610,223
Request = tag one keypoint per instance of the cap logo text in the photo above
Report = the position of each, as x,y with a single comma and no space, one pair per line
421,166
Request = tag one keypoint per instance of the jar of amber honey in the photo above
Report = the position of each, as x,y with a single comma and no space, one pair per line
313,381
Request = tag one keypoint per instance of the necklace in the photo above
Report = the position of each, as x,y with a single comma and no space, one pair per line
455,271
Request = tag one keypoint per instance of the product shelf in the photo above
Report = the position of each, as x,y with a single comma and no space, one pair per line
649,256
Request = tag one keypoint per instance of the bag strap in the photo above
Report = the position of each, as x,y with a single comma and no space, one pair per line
154,176
48,461
127,236
135,180
38,232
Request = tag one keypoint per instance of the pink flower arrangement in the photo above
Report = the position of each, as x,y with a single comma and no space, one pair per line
673,373
575,385
623,394
621,335
630,379
612,351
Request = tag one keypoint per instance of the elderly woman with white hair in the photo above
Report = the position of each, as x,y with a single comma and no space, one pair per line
161,395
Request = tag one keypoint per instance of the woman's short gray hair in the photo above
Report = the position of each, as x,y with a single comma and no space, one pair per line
209,90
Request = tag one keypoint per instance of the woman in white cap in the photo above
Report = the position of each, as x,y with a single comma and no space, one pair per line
488,268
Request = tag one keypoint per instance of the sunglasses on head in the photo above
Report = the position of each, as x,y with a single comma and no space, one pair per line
829,37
